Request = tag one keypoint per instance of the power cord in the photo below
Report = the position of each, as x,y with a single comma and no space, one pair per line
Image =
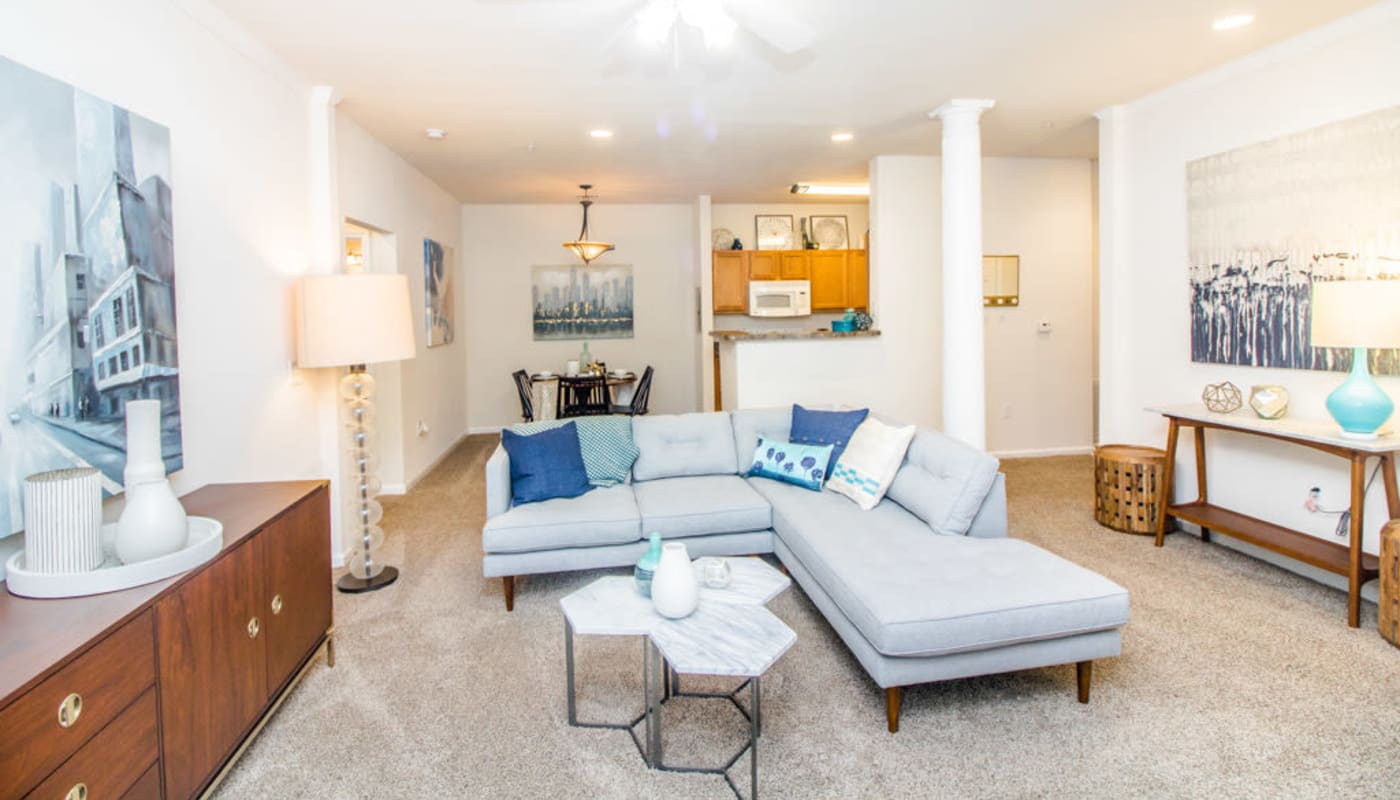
1343,514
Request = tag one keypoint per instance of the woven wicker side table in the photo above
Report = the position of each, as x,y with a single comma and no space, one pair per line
1128,487
1389,612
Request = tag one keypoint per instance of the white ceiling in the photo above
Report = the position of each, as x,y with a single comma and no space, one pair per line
518,84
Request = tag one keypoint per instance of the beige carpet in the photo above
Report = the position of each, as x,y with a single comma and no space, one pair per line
1237,679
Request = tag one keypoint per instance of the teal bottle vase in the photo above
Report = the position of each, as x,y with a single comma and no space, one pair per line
1360,405
646,566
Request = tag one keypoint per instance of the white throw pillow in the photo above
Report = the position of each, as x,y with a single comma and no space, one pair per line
870,461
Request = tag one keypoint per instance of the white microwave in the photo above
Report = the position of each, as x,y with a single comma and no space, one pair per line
780,298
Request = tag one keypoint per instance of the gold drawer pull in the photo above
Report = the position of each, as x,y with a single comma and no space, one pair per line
78,792
253,627
68,712
277,604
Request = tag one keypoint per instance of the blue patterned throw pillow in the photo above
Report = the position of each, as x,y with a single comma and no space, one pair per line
606,442
826,427
801,464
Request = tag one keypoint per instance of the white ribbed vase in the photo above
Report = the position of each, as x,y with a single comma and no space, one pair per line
63,521
674,591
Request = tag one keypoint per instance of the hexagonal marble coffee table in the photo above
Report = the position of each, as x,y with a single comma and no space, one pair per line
730,634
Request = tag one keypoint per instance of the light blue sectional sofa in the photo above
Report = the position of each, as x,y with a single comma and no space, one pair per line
925,587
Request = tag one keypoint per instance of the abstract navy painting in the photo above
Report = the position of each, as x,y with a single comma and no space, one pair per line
438,287
1268,220
582,302
87,265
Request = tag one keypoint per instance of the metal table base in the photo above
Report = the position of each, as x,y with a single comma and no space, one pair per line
661,683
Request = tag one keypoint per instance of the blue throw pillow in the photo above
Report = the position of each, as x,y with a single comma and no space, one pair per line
606,443
546,465
826,427
802,464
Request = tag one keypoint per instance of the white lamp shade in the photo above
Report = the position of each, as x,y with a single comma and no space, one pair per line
353,319
1356,313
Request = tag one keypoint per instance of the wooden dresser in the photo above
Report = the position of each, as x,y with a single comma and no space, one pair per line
151,692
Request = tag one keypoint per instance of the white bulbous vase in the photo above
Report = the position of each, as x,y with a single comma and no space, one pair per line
674,591
153,523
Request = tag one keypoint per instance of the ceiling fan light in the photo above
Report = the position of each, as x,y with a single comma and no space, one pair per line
654,22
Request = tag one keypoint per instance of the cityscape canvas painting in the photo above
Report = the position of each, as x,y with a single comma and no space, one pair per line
582,302
1269,220
87,266
438,287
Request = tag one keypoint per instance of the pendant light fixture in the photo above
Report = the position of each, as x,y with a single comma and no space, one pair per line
583,247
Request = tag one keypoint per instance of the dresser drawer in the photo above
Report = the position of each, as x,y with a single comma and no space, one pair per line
53,720
112,761
147,787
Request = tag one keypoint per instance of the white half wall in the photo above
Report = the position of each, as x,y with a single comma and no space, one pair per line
500,245
1338,71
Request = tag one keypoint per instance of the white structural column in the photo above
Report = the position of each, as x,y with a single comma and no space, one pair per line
964,363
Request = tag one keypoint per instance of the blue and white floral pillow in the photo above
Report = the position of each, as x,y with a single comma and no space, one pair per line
802,464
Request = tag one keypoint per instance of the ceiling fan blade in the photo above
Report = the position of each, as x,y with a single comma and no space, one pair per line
781,30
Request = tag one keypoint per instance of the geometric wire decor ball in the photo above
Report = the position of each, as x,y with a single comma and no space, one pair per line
1222,398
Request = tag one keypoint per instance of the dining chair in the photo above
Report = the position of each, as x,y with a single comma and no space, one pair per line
524,387
640,398
585,395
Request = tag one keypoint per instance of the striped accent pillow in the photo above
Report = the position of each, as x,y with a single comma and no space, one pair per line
605,441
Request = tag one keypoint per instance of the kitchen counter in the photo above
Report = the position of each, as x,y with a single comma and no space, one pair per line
759,336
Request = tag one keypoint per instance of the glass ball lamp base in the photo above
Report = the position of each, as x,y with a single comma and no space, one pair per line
354,584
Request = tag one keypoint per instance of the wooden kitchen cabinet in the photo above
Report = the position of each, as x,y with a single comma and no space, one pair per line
795,266
173,677
765,265
840,278
731,282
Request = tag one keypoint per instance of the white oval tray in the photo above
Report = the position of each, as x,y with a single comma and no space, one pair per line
205,542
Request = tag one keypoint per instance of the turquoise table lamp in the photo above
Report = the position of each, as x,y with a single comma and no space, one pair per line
1357,314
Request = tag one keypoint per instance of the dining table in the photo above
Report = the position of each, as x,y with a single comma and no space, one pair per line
546,385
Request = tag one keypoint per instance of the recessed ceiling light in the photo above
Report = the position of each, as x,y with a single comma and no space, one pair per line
435,133
842,136
600,133
1231,22
843,190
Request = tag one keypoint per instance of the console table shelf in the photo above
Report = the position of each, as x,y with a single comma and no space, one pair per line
1348,560
1296,545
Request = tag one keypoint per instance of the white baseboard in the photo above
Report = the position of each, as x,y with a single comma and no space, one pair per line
435,462
1046,452
475,429
393,489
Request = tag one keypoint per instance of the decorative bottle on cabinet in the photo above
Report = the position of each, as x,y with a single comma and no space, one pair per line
153,522
674,591
646,566
585,360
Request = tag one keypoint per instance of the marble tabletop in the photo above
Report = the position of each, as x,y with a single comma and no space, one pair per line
731,633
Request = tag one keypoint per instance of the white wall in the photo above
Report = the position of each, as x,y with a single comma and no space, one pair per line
500,244
249,187
238,133
1039,209
379,188
1332,73
1040,385
738,217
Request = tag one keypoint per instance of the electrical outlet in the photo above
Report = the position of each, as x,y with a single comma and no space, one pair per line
1006,411
422,428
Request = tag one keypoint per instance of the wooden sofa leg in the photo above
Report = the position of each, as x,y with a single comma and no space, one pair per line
1084,671
893,695
508,584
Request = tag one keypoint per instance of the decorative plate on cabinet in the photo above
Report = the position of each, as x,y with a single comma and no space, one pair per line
722,238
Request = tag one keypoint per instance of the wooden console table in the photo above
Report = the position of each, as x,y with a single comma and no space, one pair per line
1350,560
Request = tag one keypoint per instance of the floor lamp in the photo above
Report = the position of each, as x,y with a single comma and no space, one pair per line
351,321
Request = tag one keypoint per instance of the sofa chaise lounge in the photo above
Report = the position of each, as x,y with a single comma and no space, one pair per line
925,587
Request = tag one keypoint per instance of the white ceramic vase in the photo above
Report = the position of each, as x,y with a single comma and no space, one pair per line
674,590
153,523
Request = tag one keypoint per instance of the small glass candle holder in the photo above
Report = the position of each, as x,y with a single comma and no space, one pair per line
717,573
